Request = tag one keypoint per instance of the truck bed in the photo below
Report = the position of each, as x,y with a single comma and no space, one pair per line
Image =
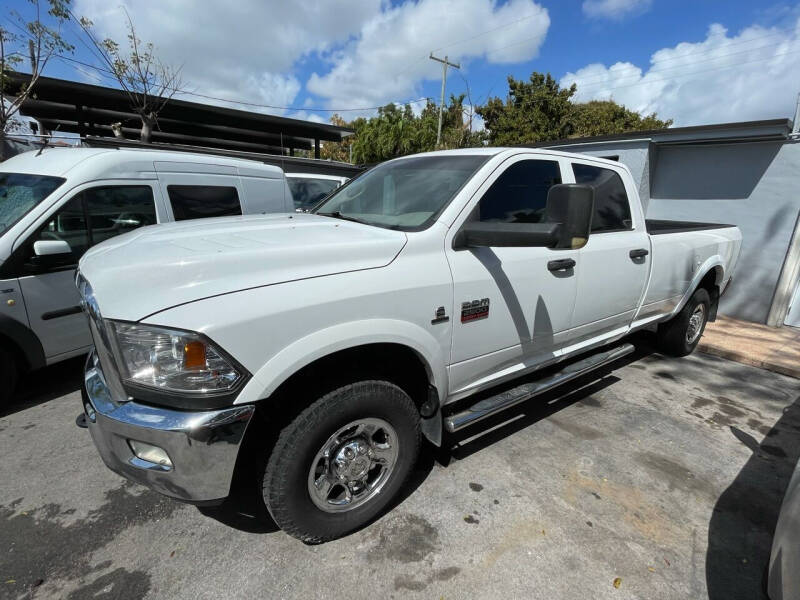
662,226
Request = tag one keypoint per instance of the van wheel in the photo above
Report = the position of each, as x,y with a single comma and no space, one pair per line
342,460
9,374
679,336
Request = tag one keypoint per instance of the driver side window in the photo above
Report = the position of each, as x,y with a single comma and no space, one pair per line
90,217
69,225
519,195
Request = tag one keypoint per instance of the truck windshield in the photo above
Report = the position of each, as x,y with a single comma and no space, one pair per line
406,194
19,193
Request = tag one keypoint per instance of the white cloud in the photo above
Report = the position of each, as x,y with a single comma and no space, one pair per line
388,59
244,50
614,9
752,75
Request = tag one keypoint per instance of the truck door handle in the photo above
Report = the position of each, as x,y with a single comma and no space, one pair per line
560,265
638,253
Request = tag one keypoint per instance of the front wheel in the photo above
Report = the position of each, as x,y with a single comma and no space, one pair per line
342,460
680,335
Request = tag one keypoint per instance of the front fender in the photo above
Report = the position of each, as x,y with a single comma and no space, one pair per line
339,337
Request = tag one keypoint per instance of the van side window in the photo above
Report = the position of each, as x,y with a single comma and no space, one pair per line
201,201
612,211
95,215
519,195
68,225
117,209
307,192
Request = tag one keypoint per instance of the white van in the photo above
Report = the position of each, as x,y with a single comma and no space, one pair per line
58,202
309,188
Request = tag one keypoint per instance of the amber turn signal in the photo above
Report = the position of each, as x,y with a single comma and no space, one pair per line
194,355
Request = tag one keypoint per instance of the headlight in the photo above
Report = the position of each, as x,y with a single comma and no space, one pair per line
173,361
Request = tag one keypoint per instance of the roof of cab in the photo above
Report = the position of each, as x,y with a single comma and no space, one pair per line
510,150
115,163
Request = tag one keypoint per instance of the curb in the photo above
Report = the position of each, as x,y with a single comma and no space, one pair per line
790,371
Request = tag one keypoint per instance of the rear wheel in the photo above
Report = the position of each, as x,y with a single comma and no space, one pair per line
341,461
680,335
9,374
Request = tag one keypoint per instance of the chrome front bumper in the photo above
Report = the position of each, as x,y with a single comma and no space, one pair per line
202,445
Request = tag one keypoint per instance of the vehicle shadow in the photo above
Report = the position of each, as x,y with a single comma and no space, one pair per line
47,384
743,521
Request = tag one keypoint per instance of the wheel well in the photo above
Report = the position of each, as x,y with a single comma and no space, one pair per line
15,352
710,283
393,362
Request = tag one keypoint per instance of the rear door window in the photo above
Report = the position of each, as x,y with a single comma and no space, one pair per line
203,201
612,211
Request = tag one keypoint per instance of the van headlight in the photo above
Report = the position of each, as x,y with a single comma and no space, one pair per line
173,361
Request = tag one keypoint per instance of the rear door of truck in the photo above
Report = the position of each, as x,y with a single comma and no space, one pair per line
615,262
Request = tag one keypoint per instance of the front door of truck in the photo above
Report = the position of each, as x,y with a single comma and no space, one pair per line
512,309
48,283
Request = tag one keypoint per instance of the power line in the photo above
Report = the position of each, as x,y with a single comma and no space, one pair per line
110,75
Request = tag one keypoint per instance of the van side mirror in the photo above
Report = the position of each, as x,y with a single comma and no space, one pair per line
51,248
572,206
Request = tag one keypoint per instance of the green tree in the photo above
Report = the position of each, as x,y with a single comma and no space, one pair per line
533,111
604,117
539,110
397,131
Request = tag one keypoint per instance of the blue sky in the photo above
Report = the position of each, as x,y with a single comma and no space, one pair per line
697,61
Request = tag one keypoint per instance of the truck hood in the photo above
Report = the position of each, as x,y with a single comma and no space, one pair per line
158,267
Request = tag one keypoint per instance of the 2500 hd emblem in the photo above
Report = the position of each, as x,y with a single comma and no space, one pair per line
477,309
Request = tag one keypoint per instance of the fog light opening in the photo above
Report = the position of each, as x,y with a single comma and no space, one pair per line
150,453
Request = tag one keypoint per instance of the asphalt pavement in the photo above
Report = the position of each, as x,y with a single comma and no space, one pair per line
660,479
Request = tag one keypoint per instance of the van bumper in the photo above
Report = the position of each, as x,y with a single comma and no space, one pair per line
202,446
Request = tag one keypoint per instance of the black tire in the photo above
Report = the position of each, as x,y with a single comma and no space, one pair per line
285,482
675,337
9,375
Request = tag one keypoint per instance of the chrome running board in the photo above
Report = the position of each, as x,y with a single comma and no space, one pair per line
494,404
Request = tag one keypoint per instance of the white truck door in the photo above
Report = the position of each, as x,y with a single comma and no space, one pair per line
510,311
615,262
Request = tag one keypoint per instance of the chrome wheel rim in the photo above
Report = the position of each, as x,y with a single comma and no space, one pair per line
353,465
696,323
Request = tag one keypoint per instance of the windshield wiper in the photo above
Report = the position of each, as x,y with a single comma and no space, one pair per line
338,215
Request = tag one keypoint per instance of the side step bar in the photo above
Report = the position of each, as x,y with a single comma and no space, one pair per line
494,404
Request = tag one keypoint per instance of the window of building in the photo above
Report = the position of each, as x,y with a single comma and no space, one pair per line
519,195
202,201
612,211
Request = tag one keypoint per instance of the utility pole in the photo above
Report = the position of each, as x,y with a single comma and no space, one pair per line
445,64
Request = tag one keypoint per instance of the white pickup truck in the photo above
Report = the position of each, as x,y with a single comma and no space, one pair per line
329,343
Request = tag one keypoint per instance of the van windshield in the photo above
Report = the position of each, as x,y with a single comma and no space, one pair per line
20,192
406,194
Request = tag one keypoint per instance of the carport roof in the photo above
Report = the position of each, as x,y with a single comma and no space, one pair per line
91,110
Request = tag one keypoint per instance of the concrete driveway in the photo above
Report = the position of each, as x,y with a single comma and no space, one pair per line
662,479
